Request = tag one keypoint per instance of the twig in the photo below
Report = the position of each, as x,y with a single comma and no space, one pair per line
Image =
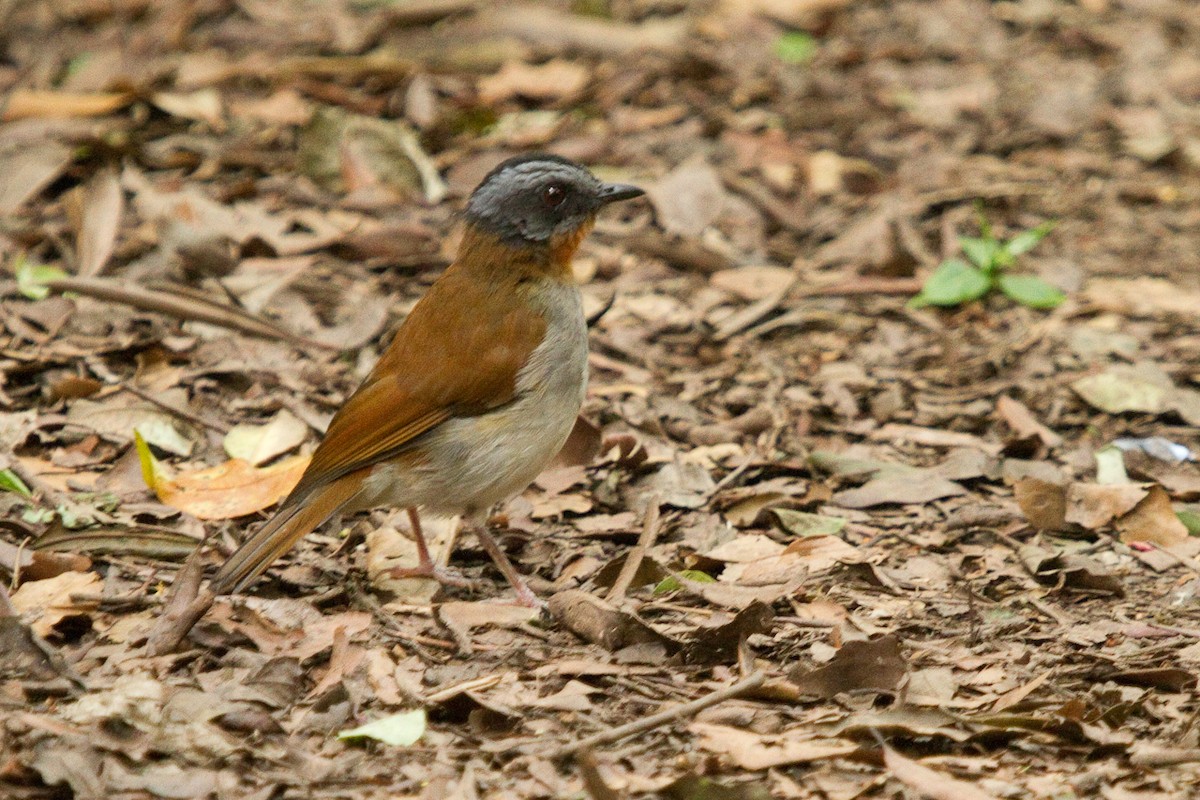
182,413
863,285
634,560
189,308
747,684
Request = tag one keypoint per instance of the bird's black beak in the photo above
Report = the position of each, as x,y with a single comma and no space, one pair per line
612,192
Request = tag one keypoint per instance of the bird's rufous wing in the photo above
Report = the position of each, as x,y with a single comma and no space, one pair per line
457,354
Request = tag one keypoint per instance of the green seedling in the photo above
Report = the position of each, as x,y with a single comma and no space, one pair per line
796,47
987,267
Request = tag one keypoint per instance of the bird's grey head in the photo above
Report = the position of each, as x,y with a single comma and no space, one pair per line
533,198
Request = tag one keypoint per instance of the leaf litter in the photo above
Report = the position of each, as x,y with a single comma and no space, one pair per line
874,521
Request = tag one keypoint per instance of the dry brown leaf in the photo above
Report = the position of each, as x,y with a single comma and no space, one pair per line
689,198
29,103
103,204
1153,520
754,751
1018,417
931,784
916,488
599,622
555,80
1094,505
753,282
874,665
43,604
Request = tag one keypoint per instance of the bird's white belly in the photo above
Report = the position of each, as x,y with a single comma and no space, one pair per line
471,463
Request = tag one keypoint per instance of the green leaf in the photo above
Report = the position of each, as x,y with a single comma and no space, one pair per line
1190,520
983,253
1024,242
11,482
953,283
398,730
671,583
800,523
32,278
795,48
1030,290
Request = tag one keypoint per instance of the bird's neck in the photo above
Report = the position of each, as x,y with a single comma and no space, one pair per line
494,258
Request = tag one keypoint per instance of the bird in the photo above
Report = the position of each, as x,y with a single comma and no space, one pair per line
479,387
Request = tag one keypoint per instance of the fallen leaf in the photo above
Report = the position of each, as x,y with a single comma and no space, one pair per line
752,751
27,168
1125,388
1153,520
599,622
258,444
753,282
43,604
121,419
33,103
1018,417
390,547
931,784
227,491
801,523
344,152
912,489
399,730
558,79
1094,506
103,204
1043,503
718,644
688,199
873,665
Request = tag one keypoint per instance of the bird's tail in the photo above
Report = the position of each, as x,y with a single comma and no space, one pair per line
281,533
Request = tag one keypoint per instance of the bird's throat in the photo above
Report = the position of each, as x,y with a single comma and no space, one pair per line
487,254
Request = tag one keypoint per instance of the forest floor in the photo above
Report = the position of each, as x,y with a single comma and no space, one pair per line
895,543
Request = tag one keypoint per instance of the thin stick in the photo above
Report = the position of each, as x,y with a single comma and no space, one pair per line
182,413
747,684
634,560
180,306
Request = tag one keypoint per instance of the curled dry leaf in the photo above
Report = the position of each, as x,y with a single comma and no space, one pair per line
32,103
601,623
1070,571
44,604
227,491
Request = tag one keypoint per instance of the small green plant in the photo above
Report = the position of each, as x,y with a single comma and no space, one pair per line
796,47
33,277
986,267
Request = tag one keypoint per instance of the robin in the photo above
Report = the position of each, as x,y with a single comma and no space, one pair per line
480,386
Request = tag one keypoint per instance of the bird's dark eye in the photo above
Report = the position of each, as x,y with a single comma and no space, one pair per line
553,195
